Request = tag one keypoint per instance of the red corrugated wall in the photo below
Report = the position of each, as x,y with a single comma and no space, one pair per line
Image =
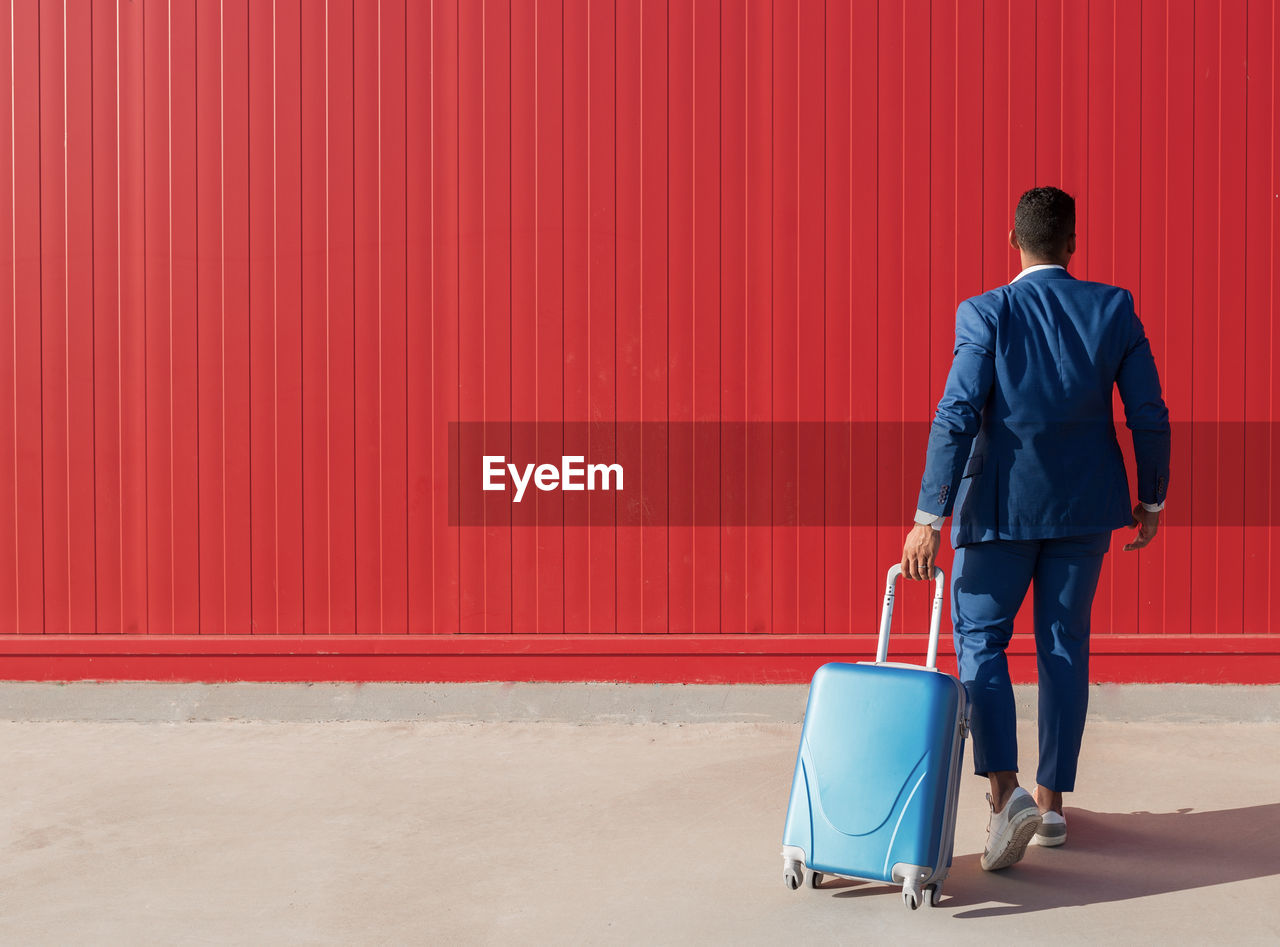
256,256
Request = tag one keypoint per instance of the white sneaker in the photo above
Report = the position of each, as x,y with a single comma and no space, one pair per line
1010,829
1052,831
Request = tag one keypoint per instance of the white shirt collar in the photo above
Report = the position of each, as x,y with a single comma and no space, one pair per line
1038,266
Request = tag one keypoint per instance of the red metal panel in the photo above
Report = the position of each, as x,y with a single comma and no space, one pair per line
654,295
1177,350
183,334
367,328
379,341
576,287
260,256
159,323
1262,184
887,224
784,558
338,354
381,588
274,308
1268,130
420,428
601,295
131,328
549,563
495,332
313,187
236,427
948,185
1206,404
393,260
264,315
693,311
524,309
681,351
287,462
1049,86
758,212
106,335
1210,554
705,355
864,268
217,556
10,617
209,316
733,589
54,336
51,148
1023,111
629,218
1233,340
1150,287
29,492
810,345
445,248
917,401
483,607
838,340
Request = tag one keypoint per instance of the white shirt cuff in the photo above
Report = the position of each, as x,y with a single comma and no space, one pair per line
1153,507
929,519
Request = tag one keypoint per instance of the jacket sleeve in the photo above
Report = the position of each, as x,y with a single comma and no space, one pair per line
959,413
1145,413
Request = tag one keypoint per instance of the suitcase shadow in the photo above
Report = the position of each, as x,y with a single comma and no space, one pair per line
1117,856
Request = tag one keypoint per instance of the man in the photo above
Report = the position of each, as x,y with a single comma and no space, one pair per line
1023,451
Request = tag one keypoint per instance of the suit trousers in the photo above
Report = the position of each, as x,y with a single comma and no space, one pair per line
989,581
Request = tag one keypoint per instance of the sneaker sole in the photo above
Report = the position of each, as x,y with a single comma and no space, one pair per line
1016,847
1049,841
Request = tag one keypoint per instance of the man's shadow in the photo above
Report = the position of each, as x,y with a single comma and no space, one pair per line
1115,856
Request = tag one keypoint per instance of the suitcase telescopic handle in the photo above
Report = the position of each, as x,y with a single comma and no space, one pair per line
886,615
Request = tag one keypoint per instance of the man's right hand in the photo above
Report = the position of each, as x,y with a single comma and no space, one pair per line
1147,524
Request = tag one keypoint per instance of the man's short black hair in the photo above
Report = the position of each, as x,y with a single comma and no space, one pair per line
1044,221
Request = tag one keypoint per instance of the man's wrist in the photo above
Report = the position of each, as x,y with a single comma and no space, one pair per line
924,518
1153,507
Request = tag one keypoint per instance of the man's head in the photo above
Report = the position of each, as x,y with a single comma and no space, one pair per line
1044,226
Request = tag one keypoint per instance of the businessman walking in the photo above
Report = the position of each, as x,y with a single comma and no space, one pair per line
1023,456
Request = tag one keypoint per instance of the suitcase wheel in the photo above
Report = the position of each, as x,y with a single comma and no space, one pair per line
815,879
929,896
793,874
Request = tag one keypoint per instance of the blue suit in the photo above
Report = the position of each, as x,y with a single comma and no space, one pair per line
1023,455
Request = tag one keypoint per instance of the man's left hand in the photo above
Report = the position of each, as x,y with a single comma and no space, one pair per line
1147,523
920,551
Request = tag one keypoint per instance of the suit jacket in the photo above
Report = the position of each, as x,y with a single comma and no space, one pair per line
1023,445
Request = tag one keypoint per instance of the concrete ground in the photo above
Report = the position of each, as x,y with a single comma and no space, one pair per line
536,830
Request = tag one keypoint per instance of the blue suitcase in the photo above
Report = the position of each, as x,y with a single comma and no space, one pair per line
878,772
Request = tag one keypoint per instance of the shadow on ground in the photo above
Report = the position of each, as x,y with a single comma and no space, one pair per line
1114,856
